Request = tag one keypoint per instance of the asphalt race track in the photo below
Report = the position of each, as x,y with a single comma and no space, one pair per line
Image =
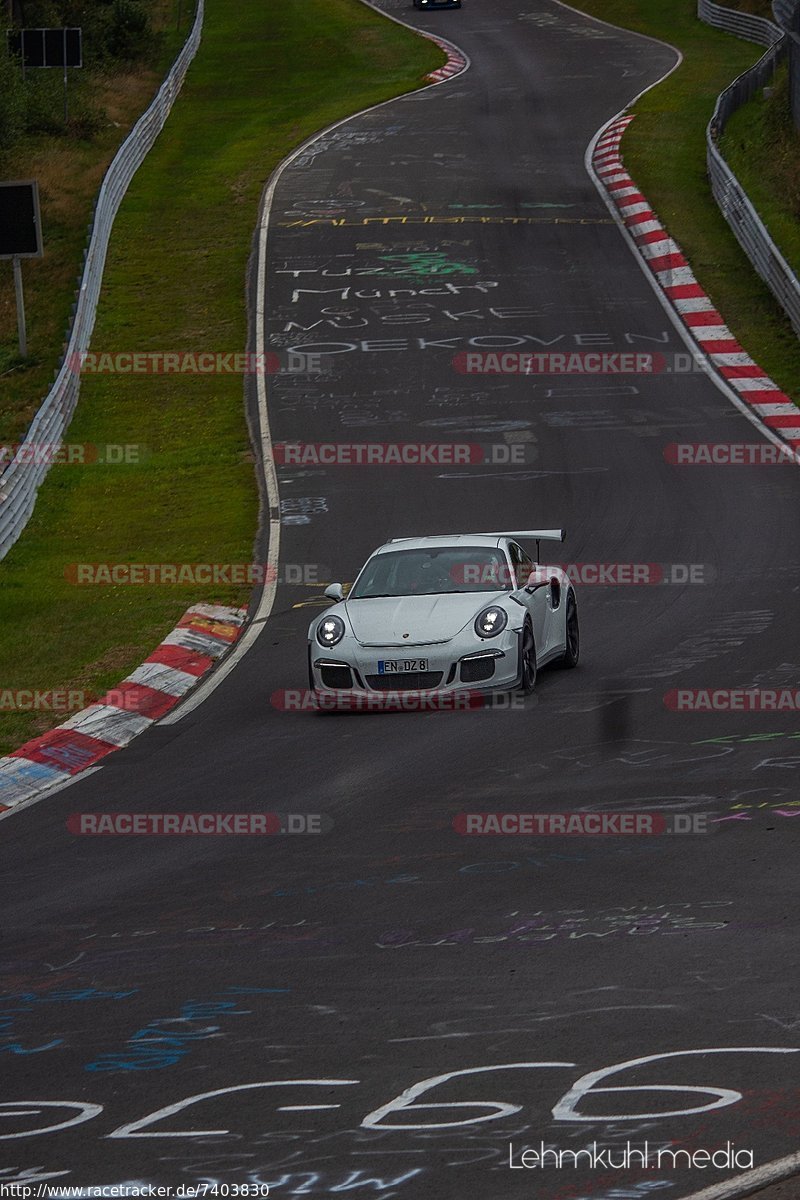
387,1007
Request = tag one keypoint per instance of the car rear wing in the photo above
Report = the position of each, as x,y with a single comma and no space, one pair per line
537,535
541,535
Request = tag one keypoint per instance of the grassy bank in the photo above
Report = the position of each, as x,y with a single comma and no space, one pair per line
762,147
664,149
265,78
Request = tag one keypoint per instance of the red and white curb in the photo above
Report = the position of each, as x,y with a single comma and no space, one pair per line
772,408
456,60
203,634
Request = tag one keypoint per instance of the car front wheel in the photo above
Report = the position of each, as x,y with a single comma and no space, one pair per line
527,660
573,634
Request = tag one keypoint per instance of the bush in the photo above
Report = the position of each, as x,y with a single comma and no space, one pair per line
85,118
13,108
112,29
129,33
45,101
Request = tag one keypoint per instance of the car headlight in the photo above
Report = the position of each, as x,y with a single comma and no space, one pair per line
330,631
491,621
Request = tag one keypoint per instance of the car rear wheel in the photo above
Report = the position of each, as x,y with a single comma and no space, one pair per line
527,660
573,634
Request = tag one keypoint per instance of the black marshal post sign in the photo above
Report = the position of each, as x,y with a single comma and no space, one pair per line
47,48
20,237
20,226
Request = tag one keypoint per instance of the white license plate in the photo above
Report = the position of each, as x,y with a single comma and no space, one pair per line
399,666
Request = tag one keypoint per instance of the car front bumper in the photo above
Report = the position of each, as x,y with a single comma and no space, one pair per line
460,665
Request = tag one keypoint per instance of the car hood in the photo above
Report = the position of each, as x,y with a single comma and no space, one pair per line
415,620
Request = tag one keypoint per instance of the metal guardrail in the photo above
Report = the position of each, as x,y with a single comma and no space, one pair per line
733,201
20,481
740,24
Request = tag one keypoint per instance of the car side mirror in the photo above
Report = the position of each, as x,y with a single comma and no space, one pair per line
535,580
334,591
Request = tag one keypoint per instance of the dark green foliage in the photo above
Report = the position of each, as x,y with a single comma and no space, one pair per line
115,33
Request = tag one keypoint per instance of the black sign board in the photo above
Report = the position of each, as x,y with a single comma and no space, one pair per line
20,226
46,47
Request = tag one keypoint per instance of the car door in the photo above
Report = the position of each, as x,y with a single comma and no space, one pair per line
536,601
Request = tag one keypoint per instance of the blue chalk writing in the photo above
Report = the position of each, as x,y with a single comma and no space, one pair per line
15,1048
166,1040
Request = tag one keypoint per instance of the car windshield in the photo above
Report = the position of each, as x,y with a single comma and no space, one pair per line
432,572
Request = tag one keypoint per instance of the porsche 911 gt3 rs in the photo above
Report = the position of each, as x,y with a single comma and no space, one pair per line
446,613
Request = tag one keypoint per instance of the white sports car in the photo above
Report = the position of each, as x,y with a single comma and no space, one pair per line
461,611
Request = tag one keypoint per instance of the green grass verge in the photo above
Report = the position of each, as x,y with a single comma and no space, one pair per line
664,149
762,147
265,78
